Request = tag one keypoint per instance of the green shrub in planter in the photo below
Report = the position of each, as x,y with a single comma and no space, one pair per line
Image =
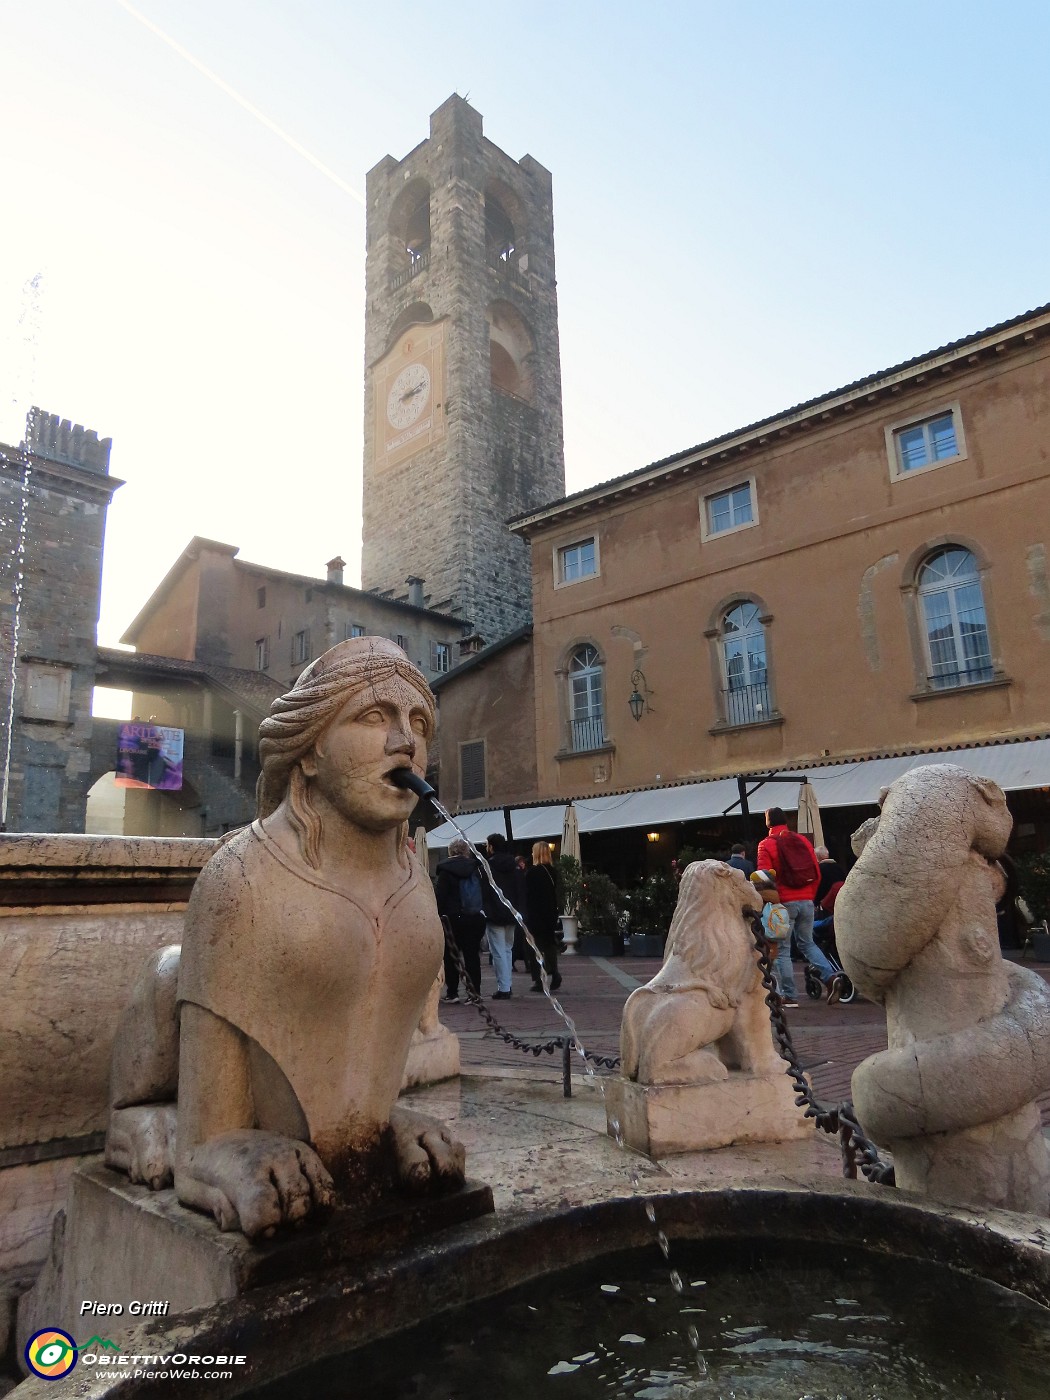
602,907
1033,877
568,872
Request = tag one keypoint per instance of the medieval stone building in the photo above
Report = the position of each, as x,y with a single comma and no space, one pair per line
463,423
55,490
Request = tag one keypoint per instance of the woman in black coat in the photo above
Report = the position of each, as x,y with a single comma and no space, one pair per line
542,914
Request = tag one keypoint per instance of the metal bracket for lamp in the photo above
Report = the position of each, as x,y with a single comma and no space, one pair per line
640,692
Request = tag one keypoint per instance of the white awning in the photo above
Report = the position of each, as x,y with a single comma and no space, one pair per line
1016,766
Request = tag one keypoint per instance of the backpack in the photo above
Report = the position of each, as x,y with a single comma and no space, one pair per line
777,922
796,863
470,894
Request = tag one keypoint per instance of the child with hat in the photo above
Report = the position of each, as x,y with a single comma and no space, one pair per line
776,924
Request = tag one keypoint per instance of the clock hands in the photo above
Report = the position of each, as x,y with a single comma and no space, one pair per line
411,393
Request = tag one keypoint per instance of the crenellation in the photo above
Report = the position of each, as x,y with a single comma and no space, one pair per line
59,440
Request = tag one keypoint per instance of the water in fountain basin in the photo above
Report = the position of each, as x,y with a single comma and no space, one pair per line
691,1332
788,1321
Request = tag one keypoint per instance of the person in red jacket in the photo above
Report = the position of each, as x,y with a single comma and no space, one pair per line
792,859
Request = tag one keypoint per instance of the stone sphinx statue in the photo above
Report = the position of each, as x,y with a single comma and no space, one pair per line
953,1096
261,1067
700,1069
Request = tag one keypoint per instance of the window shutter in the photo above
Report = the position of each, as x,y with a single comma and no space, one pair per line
472,770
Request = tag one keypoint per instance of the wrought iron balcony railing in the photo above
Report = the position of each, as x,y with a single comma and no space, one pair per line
586,733
977,674
418,262
747,704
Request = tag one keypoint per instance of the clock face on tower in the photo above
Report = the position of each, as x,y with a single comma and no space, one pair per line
408,396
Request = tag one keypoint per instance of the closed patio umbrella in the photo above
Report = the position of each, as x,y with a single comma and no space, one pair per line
809,823
570,846
570,833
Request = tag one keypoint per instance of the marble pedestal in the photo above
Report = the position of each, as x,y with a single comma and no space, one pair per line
663,1119
119,1243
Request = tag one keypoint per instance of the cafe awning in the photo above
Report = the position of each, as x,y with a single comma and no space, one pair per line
1014,766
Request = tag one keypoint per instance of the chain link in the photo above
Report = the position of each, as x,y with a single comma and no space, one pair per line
527,1047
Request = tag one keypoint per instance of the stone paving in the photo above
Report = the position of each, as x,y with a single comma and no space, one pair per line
831,1040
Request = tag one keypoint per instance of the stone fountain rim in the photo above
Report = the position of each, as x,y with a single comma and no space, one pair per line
276,1326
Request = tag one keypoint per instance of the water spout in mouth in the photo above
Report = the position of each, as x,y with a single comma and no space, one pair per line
407,778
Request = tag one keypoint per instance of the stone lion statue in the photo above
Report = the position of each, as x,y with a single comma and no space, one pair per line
969,1034
704,1012
260,1065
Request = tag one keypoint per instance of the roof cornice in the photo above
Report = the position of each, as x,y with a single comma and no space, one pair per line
1010,336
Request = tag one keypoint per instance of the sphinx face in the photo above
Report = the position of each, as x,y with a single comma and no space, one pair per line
377,731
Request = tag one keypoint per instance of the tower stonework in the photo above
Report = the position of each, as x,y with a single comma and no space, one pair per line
55,490
463,422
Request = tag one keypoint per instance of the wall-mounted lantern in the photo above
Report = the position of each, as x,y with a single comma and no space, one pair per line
640,692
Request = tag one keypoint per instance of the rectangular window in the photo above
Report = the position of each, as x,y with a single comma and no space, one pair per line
260,597
729,510
925,442
931,441
354,629
440,657
472,770
401,640
301,645
576,561
262,653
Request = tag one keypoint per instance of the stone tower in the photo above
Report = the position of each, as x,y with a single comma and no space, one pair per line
463,424
55,489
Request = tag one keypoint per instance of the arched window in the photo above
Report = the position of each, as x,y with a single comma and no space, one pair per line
510,352
409,225
743,640
955,627
586,706
499,232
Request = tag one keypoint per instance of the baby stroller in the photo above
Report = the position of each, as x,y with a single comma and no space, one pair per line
824,937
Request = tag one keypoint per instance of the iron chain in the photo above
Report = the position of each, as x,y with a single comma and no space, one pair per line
857,1149
474,999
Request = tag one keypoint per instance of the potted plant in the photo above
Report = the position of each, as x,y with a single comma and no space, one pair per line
569,874
652,905
1033,876
601,906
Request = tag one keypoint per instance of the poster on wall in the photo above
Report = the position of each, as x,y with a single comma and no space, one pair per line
149,756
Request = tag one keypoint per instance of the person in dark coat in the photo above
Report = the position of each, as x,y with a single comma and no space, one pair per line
459,900
831,873
542,914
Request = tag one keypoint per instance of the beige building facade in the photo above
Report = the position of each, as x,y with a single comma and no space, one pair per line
487,726
216,608
863,575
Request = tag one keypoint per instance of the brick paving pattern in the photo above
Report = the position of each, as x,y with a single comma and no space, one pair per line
830,1040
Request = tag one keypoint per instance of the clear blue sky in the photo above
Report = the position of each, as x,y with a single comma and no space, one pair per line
755,202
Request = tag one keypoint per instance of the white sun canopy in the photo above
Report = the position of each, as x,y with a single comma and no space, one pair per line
1025,764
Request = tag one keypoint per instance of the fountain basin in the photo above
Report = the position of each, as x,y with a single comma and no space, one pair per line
284,1329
